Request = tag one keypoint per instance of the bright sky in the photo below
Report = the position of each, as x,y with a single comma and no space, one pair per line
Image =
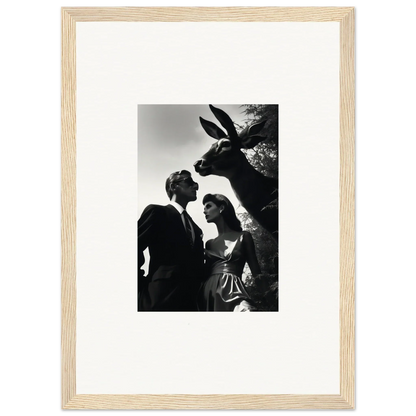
171,138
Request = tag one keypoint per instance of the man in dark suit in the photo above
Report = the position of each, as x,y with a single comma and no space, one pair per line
175,248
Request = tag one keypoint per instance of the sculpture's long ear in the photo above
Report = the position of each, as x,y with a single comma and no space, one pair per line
249,137
225,121
256,128
212,129
249,142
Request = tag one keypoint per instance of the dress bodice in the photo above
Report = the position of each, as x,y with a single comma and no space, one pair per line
230,261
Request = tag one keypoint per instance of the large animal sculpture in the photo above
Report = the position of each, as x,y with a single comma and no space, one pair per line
257,193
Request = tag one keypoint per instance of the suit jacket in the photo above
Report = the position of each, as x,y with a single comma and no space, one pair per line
175,269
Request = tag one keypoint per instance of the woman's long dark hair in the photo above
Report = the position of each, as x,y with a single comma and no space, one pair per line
228,213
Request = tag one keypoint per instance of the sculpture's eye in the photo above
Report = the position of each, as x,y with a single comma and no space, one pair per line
224,145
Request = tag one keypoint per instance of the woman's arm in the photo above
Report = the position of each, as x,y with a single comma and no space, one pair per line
250,250
208,245
207,266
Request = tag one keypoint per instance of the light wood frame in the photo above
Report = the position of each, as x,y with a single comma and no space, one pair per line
343,15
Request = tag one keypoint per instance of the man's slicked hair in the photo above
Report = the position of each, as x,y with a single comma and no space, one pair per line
174,177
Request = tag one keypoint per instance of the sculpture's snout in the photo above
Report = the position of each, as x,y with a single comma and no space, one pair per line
202,168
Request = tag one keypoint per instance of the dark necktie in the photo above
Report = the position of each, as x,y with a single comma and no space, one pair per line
188,227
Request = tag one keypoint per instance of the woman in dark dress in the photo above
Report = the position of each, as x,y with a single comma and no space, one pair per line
226,256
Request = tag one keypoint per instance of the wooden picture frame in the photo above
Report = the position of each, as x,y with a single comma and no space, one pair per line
344,400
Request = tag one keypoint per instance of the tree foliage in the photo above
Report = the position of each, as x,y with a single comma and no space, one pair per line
264,157
264,288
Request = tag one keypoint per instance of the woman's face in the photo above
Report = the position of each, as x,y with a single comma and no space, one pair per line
211,211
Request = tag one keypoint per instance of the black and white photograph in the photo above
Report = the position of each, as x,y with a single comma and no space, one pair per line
208,208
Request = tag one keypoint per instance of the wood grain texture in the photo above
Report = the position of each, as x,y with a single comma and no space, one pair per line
68,208
205,14
209,401
347,208
70,400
